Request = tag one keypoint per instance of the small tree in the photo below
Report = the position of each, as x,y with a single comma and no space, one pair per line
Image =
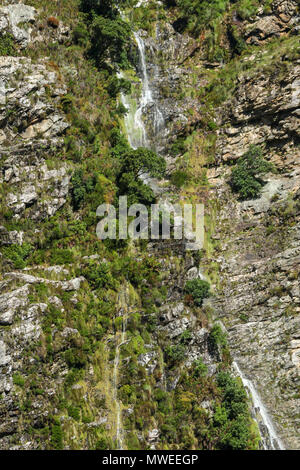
246,176
198,289
109,38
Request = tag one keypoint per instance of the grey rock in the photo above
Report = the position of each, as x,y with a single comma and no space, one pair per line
17,19
11,302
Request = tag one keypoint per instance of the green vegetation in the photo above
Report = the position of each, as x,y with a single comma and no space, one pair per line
198,290
109,34
125,280
130,165
18,254
233,415
18,380
7,45
179,178
246,176
200,14
56,436
217,336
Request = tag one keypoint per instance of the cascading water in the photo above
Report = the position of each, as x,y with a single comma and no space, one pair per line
134,123
270,439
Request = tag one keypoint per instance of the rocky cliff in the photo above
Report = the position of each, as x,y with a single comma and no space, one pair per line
100,345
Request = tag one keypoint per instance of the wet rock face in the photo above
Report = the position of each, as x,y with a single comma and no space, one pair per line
166,54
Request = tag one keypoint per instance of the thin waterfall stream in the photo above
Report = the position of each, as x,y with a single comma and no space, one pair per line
270,439
134,123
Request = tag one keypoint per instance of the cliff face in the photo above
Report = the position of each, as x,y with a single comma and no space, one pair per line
255,242
259,239
99,345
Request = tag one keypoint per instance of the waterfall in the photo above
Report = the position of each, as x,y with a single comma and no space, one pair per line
134,123
270,439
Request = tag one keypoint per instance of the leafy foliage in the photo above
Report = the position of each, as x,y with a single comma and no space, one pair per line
109,39
7,45
18,254
200,13
131,164
233,415
217,336
246,176
109,34
56,436
179,178
198,289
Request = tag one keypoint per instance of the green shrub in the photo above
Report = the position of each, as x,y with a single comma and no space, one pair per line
56,436
201,14
247,8
132,163
217,336
186,337
74,412
18,254
81,35
109,40
75,358
200,369
175,353
179,178
81,185
99,276
18,380
61,256
198,289
245,177
178,147
103,444
7,45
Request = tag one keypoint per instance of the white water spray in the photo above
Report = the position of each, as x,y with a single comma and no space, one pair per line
134,123
270,439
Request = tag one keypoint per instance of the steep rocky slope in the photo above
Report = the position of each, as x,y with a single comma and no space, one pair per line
100,347
255,242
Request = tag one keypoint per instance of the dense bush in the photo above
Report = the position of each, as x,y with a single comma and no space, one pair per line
109,34
99,275
246,176
179,178
18,254
201,14
18,380
109,39
131,164
198,289
233,415
217,336
56,436
81,186
61,256
7,45
175,353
